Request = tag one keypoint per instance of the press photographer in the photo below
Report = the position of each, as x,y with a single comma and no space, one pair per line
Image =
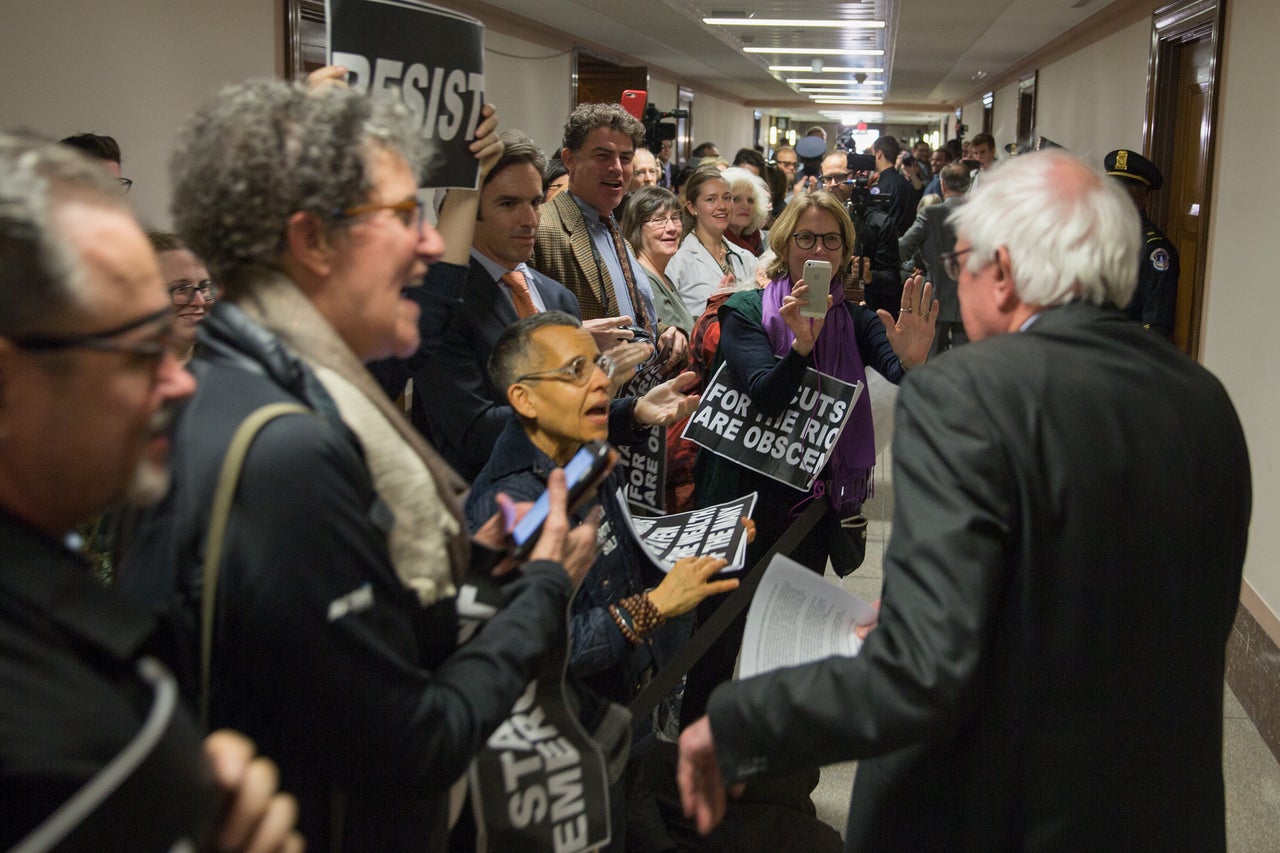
872,276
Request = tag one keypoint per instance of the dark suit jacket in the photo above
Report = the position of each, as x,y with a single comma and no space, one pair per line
455,404
934,237
902,199
1069,531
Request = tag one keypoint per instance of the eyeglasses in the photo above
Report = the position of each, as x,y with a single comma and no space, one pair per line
185,294
105,341
577,371
951,263
835,178
788,164
408,212
832,242
663,221
126,184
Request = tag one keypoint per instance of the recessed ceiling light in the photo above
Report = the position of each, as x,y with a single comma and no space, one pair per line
793,22
847,101
814,51
827,69
798,81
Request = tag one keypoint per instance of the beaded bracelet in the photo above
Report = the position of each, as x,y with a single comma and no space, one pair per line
624,623
645,612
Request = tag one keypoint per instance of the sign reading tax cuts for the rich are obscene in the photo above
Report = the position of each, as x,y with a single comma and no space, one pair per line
791,447
429,58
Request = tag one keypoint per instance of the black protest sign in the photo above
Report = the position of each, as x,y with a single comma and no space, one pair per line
539,783
791,447
430,58
715,531
646,471
645,464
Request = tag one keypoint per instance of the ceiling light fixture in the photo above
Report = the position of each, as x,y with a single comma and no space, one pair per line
813,81
830,69
814,51
847,101
793,22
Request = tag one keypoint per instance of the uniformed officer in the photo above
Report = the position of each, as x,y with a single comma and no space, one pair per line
1155,301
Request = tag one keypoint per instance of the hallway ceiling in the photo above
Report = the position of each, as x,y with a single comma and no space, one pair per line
936,52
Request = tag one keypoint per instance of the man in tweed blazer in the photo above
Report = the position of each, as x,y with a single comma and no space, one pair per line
574,245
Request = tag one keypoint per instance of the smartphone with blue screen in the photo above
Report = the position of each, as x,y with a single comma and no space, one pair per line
583,473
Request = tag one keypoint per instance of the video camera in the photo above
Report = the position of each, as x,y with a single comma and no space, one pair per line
655,130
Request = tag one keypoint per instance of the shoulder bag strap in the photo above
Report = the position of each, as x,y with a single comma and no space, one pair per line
228,479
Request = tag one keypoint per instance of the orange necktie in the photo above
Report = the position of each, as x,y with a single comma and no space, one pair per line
519,287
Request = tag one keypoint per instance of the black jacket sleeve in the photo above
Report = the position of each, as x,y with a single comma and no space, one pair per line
333,653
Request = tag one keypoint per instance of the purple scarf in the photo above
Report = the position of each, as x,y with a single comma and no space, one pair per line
835,353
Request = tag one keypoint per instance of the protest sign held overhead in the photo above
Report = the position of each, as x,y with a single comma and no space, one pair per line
714,531
791,447
431,59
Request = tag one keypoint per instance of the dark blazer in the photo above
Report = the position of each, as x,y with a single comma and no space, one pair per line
455,404
1068,536
902,199
934,237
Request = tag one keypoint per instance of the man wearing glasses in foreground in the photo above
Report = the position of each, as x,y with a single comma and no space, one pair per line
95,753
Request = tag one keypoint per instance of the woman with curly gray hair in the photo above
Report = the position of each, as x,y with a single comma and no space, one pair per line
333,637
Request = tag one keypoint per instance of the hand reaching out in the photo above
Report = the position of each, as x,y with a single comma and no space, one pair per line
911,335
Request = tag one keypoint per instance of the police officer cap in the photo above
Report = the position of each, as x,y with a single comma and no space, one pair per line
1130,166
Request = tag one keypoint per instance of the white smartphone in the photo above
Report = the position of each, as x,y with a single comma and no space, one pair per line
817,277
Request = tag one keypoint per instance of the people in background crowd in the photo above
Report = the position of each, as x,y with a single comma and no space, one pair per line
705,257
934,237
555,179
191,290
652,225
750,210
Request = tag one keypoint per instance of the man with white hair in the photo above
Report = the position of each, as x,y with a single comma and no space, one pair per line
1073,501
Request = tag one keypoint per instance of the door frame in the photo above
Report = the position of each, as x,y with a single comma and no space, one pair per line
1175,23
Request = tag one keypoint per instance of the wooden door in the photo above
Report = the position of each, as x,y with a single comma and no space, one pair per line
1187,173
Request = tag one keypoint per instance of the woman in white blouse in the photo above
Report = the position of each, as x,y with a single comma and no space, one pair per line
706,258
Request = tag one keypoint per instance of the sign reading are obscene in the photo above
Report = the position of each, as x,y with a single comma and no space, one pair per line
714,531
429,58
791,447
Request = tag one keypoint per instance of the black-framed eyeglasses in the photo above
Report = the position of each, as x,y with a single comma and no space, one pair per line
832,242
185,294
835,178
577,371
409,212
951,263
126,184
788,164
105,341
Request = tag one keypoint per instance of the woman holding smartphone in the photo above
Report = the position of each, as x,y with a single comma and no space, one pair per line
706,257
768,345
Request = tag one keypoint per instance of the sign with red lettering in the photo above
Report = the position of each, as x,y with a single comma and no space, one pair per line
429,58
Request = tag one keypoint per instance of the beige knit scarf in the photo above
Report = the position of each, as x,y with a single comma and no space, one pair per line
427,543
